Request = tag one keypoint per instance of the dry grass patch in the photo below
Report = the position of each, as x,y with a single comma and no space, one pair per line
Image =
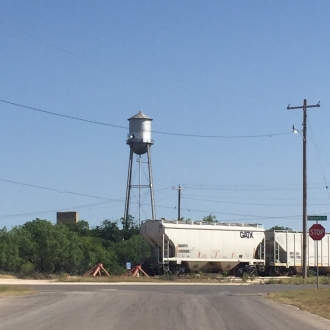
12,290
104,279
7,276
311,300
298,280
144,279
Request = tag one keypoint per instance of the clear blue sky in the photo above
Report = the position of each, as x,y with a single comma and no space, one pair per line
221,68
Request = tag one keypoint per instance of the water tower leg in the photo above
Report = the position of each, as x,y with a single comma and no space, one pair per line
129,181
151,186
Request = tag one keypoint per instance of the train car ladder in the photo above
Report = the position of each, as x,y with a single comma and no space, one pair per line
262,250
163,252
276,252
166,254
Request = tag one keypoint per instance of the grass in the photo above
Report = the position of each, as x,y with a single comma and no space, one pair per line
311,300
111,279
7,276
199,278
11,290
323,280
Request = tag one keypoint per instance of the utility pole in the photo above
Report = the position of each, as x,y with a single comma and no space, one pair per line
179,199
304,252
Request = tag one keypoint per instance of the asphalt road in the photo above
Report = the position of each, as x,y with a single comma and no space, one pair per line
153,307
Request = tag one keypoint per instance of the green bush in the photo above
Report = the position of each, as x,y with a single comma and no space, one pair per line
168,277
27,269
245,277
311,273
39,248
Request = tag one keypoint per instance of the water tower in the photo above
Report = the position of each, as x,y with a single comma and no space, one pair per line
139,141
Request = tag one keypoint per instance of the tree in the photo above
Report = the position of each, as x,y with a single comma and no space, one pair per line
10,259
279,228
95,252
110,231
182,219
132,250
40,246
127,223
51,248
210,218
81,227
129,229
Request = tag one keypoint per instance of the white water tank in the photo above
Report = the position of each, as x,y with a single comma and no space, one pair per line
139,135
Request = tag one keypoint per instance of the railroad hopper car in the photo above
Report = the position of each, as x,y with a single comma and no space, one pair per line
180,246
284,253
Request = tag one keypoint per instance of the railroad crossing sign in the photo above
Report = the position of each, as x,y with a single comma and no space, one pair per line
317,218
316,232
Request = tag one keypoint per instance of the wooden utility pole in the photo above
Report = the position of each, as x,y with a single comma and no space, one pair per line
304,220
179,199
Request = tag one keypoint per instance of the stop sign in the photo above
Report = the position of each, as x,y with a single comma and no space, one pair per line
316,232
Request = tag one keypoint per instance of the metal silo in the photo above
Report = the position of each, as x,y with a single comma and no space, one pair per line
139,140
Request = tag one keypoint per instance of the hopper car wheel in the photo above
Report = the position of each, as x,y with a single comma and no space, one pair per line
286,272
273,271
238,271
151,272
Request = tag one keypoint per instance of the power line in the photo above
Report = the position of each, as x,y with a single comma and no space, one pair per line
245,203
318,158
257,217
156,132
52,211
64,192
69,192
60,191
256,188
61,115
225,186
251,217
257,198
